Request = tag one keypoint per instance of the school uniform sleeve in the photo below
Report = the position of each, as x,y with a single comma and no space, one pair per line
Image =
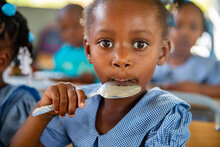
172,131
55,135
15,116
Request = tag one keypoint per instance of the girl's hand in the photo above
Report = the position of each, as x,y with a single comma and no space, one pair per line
65,98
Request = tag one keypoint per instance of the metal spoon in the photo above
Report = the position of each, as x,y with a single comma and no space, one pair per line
109,90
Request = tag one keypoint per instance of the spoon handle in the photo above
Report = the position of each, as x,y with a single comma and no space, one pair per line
92,94
49,108
42,110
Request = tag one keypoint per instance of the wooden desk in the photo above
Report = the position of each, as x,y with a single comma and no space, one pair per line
203,134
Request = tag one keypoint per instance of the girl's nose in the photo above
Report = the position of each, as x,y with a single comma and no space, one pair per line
121,59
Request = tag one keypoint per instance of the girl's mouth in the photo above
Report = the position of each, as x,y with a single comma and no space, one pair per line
124,82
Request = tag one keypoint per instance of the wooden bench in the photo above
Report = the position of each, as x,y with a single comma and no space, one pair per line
203,134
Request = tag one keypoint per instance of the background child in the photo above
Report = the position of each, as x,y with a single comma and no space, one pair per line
16,102
70,58
184,71
124,40
49,43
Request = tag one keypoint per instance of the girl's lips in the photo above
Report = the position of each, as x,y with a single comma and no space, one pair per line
124,82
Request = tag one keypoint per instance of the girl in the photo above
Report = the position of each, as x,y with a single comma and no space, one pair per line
124,40
201,75
70,58
16,102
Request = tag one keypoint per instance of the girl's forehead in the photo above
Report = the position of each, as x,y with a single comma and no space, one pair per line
190,9
129,4
189,13
129,17
125,8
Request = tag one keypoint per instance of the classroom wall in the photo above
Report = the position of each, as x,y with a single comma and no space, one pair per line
216,4
37,19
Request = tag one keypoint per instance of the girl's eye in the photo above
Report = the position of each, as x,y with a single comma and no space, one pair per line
105,44
140,44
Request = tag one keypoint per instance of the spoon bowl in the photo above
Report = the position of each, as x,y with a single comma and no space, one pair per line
115,90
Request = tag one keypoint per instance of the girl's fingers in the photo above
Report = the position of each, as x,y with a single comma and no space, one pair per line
63,106
81,98
72,100
53,94
65,98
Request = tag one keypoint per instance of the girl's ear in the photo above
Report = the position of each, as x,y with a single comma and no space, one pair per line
87,50
164,52
4,60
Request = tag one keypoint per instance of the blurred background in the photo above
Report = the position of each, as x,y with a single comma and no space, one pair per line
41,15
42,21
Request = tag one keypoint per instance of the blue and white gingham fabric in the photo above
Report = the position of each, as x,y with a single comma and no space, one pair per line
197,69
158,119
16,104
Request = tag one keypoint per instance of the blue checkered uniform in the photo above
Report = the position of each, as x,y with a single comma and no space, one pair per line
158,119
16,104
196,69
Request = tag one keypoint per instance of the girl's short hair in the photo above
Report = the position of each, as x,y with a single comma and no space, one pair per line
74,8
182,3
163,14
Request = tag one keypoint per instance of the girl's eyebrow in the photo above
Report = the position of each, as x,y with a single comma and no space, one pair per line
109,31
106,31
141,31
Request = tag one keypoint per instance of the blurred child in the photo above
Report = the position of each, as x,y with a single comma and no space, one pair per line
16,102
124,40
184,71
49,43
70,58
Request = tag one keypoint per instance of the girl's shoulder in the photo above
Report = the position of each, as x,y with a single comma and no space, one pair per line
17,99
200,59
171,117
26,90
203,64
162,97
11,94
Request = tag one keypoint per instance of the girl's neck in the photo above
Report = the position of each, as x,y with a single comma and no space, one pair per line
2,83
124,104
178,59
111,111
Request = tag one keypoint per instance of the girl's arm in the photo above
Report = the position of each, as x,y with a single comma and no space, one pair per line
210,90
30,132
65,99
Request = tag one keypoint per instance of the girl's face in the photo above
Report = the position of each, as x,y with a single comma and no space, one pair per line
189,27
71,30
125,42
6,53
